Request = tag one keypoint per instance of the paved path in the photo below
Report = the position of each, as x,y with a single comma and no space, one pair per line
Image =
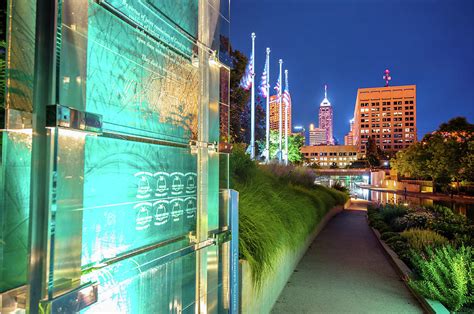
345,271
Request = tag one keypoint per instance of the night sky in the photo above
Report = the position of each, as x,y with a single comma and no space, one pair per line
348,44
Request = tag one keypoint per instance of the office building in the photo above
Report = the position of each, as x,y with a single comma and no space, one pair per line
326,156
317,136
388,115
275,117
349,137
326,117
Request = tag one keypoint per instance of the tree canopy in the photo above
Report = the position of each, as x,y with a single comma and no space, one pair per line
444,156
295,142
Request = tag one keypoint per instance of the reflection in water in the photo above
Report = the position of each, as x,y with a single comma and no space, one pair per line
390,197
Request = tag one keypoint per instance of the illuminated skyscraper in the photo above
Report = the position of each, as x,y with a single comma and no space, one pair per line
274,114
349,137
317,136
386,114
325,117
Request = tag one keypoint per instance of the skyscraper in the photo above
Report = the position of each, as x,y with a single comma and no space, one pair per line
274,115
386,114
325,117
317,136
349,137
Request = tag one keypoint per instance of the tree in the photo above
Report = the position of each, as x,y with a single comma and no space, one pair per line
444,156
456,124
240,104
295,142
373,154
239,98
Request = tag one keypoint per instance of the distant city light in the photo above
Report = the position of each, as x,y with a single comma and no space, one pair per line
298,127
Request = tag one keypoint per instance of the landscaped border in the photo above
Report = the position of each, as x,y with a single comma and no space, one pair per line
429,306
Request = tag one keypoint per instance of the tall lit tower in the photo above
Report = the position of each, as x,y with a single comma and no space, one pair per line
325,117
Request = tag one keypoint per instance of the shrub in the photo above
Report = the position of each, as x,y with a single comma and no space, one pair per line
387,235
241,166
445,222
400,247
418,239
338,186
381,226
397,238
389,212
413,219
446,274
298,175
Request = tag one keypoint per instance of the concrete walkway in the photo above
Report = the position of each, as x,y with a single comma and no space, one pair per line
346,271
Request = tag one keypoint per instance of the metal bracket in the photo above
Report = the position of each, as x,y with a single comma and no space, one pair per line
222,237
195,145
70,118
72,301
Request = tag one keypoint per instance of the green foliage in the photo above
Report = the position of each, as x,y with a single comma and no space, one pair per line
295,142
400,246
292,174
275,213
238,98
242,167
446,274
389,212
443,156
419,239
338,186
387,235
373,152
457,124
413,219
445,222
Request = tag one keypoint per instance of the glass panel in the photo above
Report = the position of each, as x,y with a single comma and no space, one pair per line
73,63
15,144
175,24
20,54
139,85
143,285
15,168
219,30
135,194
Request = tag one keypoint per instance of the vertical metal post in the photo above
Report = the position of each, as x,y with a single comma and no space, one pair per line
267,122
234,251
252,109
203,156
286,117
280,113
43,95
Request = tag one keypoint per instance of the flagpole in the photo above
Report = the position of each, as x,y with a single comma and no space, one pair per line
286,118
267,121
252,118
280,113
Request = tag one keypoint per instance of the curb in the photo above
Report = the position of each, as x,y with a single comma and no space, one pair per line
428,305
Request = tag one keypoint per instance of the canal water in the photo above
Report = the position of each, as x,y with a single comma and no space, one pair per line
463,208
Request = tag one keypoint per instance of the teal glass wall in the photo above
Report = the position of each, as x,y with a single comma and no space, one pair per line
15,145
132,203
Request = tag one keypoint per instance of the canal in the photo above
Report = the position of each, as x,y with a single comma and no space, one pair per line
464,207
